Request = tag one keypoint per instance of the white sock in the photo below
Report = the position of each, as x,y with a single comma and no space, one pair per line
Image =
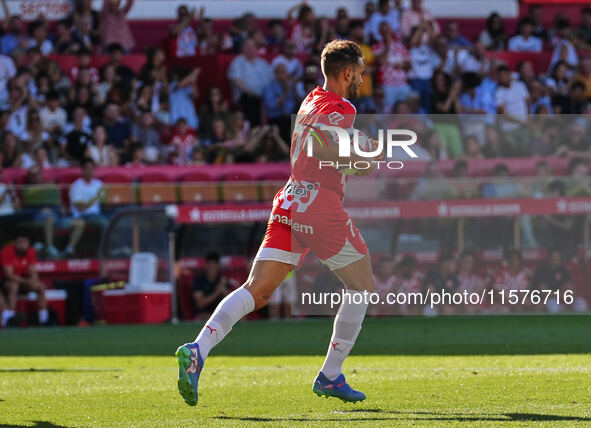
43,315
6,315
347,325
230,310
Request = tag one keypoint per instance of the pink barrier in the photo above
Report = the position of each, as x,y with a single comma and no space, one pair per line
477,167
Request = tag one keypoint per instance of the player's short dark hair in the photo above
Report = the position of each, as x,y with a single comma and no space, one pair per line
212,256
338,55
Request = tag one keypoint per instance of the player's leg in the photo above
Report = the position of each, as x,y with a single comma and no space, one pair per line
265,276
340,247
357,278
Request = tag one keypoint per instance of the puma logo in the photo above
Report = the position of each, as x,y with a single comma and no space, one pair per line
211,330
334,346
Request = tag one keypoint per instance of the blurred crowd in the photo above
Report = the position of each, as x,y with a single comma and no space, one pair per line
52,117
462,274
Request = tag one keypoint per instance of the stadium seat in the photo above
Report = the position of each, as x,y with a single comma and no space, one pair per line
120,190
239,187
271,183
156,188
363,189
197,187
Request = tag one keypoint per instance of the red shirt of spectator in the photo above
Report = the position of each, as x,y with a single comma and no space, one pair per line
20,263
184,139
391,72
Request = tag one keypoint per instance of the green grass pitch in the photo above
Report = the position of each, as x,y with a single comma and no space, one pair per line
447,371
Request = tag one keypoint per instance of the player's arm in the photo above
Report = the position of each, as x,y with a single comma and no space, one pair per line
330,153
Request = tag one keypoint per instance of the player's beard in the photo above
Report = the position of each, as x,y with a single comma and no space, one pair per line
352,90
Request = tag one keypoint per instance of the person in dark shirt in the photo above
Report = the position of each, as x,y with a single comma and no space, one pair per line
77,140
554,276
442,278
210,287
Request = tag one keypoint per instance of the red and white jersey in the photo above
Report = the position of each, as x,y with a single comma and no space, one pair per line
385,285
507,280
390,72
414,284
326,108
470,283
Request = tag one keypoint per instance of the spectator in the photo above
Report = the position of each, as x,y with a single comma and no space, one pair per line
414,16
76,142
183,92
524,41
539,186
64,42
575,141
584,76
6,197
183,142
7,71
563,47
277,40
85,196
100,150
513,276
493,37
114,26
408,280
478,106
153,72
84,16
501,185
34,137
18,100
553,276
558,230
144,134
393,62
357,35
249,75
20,274
472,148
10,151
495,146
545,143
14,38
183,32
464,185
578,181
59,82
84,57
442,278
432,185
535,15
280,101
540,102
303,31
385,281
453,36
210,287
511,98
123,74
52,116
558,83
118,128
390,16
292,63
469,281
424,62
214,107
38,37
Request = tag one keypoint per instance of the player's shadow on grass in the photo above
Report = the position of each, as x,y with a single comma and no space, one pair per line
421,416
38,424
50,370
